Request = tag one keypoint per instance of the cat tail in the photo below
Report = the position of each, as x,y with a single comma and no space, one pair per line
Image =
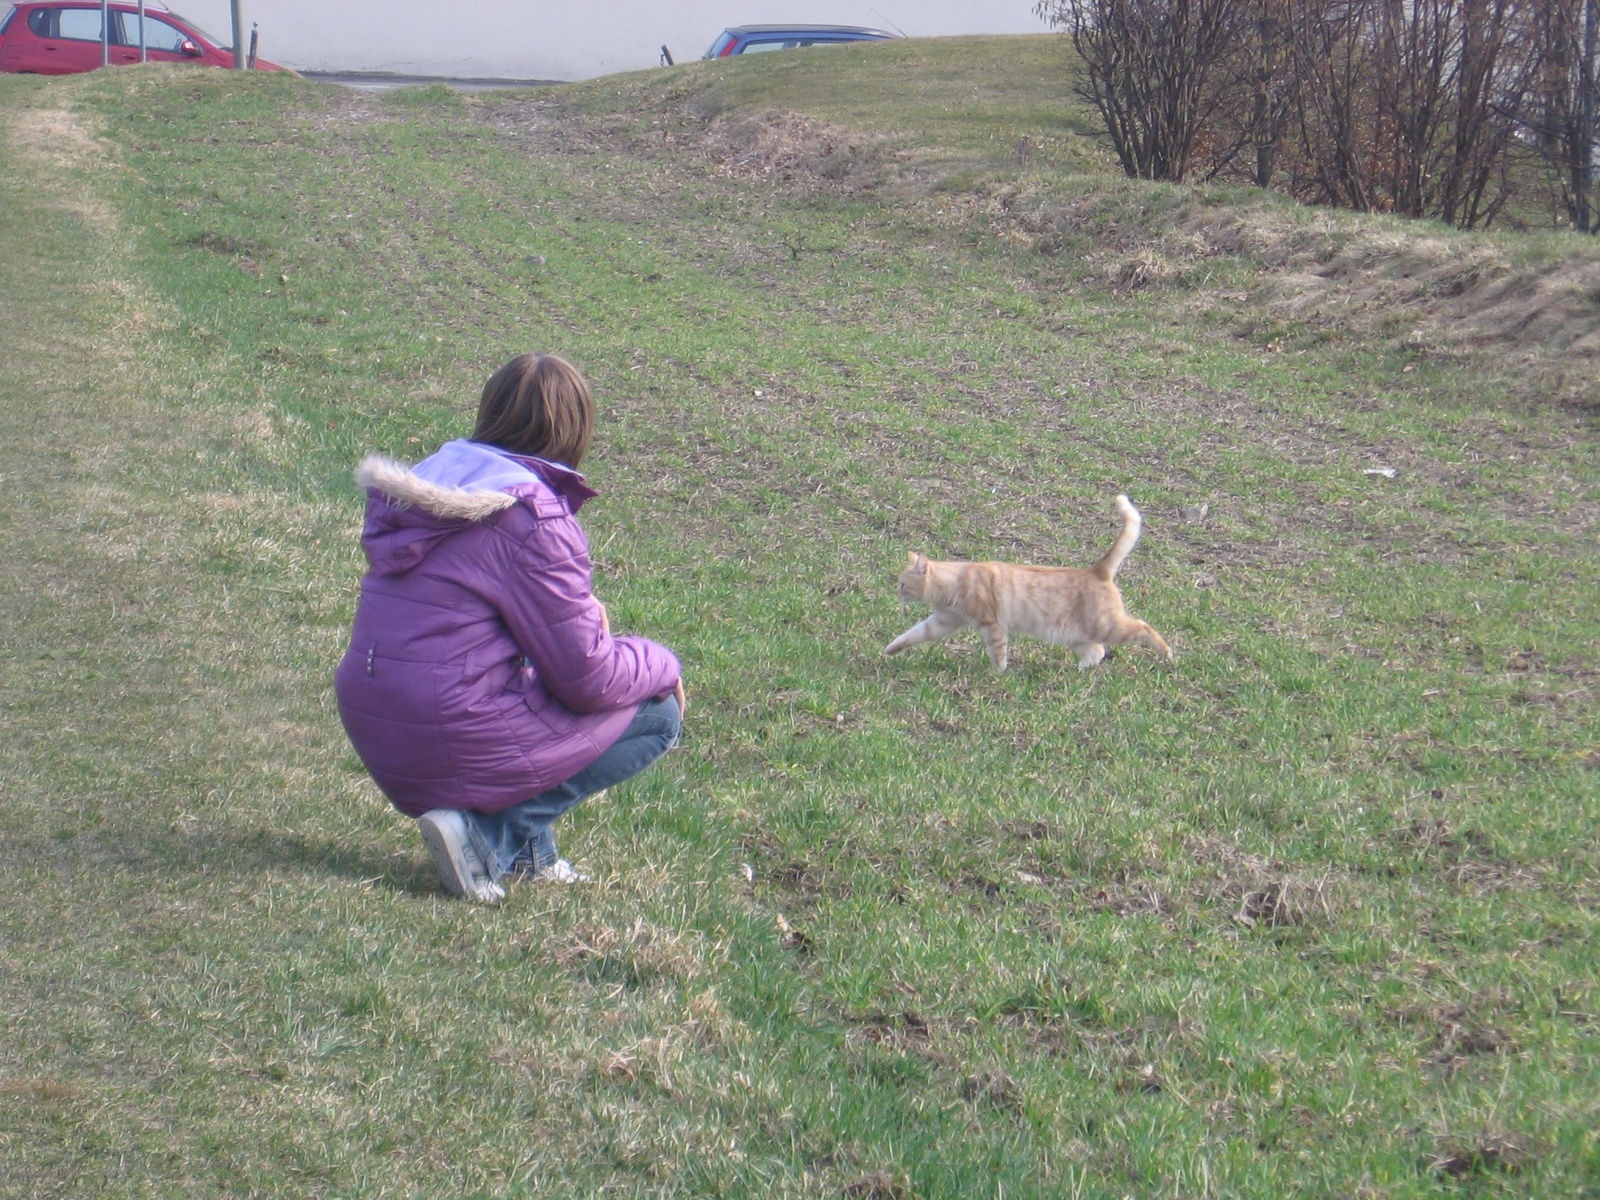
1106,568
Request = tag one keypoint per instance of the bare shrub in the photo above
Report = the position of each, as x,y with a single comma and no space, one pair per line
1426,108
1258,100
1410,107
1150,68
1564,115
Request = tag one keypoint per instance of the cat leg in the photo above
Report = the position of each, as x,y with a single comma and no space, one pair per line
1153,639
938,625
994,637
1089,654
1130,629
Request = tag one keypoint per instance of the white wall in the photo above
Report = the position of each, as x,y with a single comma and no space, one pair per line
546,39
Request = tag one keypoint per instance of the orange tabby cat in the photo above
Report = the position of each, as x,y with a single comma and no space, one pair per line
1059,604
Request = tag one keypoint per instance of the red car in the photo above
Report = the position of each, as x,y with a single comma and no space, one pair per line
62,38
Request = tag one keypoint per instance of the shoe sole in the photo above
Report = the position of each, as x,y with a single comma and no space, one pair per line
447,856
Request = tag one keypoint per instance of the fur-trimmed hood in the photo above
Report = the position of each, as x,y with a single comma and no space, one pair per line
404,488
411,509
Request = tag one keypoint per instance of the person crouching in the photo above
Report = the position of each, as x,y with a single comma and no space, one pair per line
482,687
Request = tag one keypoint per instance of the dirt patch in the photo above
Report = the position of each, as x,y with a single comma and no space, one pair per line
1280,902
905,1030
769,145
1487,1153
1458,1033
1431,292
976,887
1049,1036
1266,894
1466,857
799,879
807,880
1438,839
346,107
39,1091
1128,902
1033,831
530,119
880,1185
636,956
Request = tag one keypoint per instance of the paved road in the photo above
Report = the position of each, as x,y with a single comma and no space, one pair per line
382,81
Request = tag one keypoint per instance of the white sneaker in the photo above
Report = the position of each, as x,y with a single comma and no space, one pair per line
561,871
461,869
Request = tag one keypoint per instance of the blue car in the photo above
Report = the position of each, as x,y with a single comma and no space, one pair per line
750,39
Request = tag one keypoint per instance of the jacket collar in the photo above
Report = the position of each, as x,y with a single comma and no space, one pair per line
469,481
560,477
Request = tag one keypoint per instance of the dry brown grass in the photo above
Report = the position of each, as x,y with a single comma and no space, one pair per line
790,148
1268,895
642,953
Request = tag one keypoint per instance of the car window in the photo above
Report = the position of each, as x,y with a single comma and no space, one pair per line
6,20
78,24
42,21
205,33
720,46
158,35
757,47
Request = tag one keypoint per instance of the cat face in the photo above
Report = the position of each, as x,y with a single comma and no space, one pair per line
913,581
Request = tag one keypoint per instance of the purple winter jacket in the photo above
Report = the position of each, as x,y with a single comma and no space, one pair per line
478,673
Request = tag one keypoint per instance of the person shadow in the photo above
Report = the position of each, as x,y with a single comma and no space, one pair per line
264,851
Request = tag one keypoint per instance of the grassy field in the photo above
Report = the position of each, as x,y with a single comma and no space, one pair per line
1309,912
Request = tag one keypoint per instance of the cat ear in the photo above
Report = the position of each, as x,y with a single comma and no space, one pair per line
919,564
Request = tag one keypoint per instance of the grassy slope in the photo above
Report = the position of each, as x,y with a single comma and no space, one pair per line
941,123
1013,957
951,106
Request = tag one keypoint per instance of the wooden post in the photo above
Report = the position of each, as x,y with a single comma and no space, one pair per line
105,33
144,55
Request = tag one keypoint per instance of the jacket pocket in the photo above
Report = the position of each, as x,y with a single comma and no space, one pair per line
522,677
544,706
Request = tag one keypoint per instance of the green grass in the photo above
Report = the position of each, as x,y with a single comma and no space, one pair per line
1310,911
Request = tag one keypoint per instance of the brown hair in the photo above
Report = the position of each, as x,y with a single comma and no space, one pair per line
537,404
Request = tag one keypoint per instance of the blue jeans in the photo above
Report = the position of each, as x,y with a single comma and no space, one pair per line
523,830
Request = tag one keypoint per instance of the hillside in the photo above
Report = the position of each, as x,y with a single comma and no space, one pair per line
1309,911
986,134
